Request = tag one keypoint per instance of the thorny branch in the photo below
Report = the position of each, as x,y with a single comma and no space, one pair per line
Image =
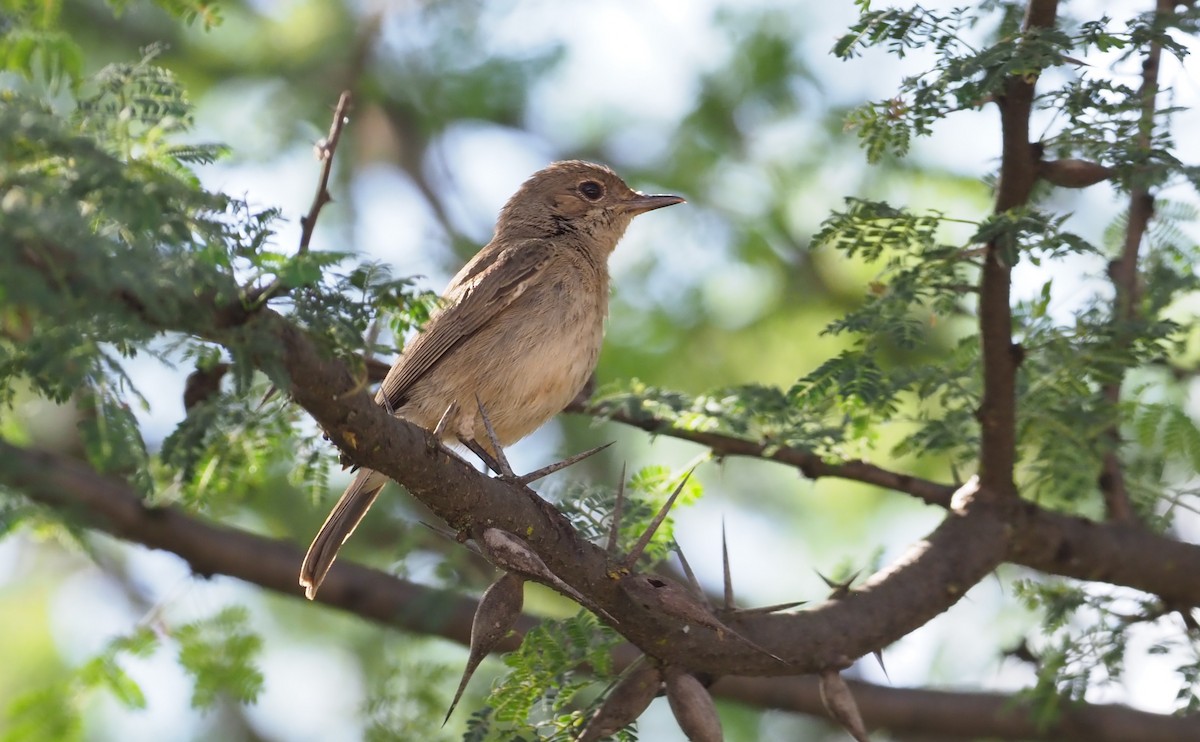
111,505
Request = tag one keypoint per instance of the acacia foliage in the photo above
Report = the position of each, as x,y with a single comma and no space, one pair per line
97,183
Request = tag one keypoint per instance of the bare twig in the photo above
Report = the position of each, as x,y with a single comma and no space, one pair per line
324,150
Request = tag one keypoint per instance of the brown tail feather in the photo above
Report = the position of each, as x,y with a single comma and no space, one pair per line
343,519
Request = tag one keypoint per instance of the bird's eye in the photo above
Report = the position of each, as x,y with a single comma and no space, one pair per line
591,190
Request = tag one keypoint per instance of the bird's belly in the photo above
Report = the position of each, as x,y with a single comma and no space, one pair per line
524,372
521,396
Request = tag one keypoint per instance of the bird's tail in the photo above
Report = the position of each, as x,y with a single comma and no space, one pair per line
343,519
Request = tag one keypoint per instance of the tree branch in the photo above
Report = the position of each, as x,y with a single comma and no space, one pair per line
962,715
1117,553
1000,358
71,486
76,490
810,464
1042,539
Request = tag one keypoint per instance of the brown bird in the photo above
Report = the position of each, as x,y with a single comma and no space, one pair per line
518,335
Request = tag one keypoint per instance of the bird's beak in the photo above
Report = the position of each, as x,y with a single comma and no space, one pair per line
640,203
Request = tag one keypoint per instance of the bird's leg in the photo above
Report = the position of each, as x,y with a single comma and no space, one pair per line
496,461
486,456
499,462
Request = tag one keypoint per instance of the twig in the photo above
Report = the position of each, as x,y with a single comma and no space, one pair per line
324,150
810,464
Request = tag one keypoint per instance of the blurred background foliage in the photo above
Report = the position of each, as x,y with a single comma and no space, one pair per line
737,106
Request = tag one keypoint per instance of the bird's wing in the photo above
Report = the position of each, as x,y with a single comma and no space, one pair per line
477,296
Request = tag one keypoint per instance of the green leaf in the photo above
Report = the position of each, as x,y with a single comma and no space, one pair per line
220,653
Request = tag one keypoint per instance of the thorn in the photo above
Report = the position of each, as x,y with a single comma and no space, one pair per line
840,704
498,458
644,541
533,476
838,589
443,532
439,430
485,456
692,706
878,655
498,610
728,573
763,610
687,570
628,699
513,554
665,596
614,529
449,535
487,424
271,392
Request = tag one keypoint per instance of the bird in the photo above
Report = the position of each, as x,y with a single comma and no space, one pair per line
518,333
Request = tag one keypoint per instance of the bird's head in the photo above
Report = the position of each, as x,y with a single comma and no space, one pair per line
576,199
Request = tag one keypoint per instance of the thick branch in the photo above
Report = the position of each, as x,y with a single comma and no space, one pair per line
1116,553
78,491
112,506
958,715
1018,173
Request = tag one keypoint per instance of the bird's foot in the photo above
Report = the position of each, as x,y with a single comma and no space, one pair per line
498,462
